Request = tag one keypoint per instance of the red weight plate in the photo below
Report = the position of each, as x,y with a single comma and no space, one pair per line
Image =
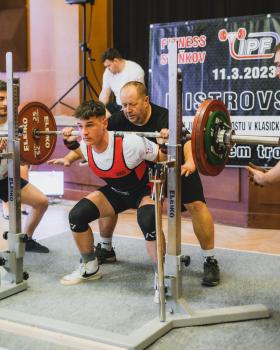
193,143
36,116
195,140
206,167
198,136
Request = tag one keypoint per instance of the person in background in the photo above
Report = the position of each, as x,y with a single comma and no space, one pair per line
139,114
117,73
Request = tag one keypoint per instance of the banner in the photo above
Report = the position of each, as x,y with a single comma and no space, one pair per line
229,59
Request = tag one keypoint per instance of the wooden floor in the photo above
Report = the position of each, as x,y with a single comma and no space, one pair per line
55,221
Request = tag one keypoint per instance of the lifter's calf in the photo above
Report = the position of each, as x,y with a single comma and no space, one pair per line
204,229
104,250
80,216
107,225
33,197
84,241
203,223
146,221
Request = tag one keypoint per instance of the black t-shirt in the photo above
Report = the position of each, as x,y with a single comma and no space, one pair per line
158,120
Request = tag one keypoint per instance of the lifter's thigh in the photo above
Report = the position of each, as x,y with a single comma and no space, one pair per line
103,204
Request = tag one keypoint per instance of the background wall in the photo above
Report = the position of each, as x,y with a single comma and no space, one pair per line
13,33
99,22
53,38
54,31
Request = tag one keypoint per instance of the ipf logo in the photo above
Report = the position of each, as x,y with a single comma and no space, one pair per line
258,45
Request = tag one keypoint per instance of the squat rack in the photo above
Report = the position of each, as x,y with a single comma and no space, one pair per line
11,261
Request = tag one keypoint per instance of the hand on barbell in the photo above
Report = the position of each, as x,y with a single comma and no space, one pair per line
164,134
67,134
59,161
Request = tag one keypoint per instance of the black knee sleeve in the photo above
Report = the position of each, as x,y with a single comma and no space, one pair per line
147,221
82,214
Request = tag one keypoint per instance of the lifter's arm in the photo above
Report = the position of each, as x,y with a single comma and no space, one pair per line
68,159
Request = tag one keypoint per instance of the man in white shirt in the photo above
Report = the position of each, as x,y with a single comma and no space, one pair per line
118,72
121,163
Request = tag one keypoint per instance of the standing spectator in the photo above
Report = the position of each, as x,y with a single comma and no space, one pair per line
118,72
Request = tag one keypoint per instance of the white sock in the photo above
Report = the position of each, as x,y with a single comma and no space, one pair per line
208,253
106,243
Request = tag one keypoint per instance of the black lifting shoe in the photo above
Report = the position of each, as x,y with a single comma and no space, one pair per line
211,274
33,246
105,256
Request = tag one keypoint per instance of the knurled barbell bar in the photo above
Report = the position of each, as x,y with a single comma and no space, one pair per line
37,133
212,136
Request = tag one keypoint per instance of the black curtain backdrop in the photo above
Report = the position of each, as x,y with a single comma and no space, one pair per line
132,19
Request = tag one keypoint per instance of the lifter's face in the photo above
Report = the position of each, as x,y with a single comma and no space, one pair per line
136,108
93,130
3,103
277,64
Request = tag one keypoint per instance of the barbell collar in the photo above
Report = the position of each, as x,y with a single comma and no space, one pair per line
224,138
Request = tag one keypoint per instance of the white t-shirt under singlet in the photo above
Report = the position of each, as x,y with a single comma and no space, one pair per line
132,71
135,150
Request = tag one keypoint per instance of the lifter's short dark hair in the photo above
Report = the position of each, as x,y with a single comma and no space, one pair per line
110,54
3,85
90,109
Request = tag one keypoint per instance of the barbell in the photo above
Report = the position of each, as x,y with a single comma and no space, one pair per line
212,135
38,133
